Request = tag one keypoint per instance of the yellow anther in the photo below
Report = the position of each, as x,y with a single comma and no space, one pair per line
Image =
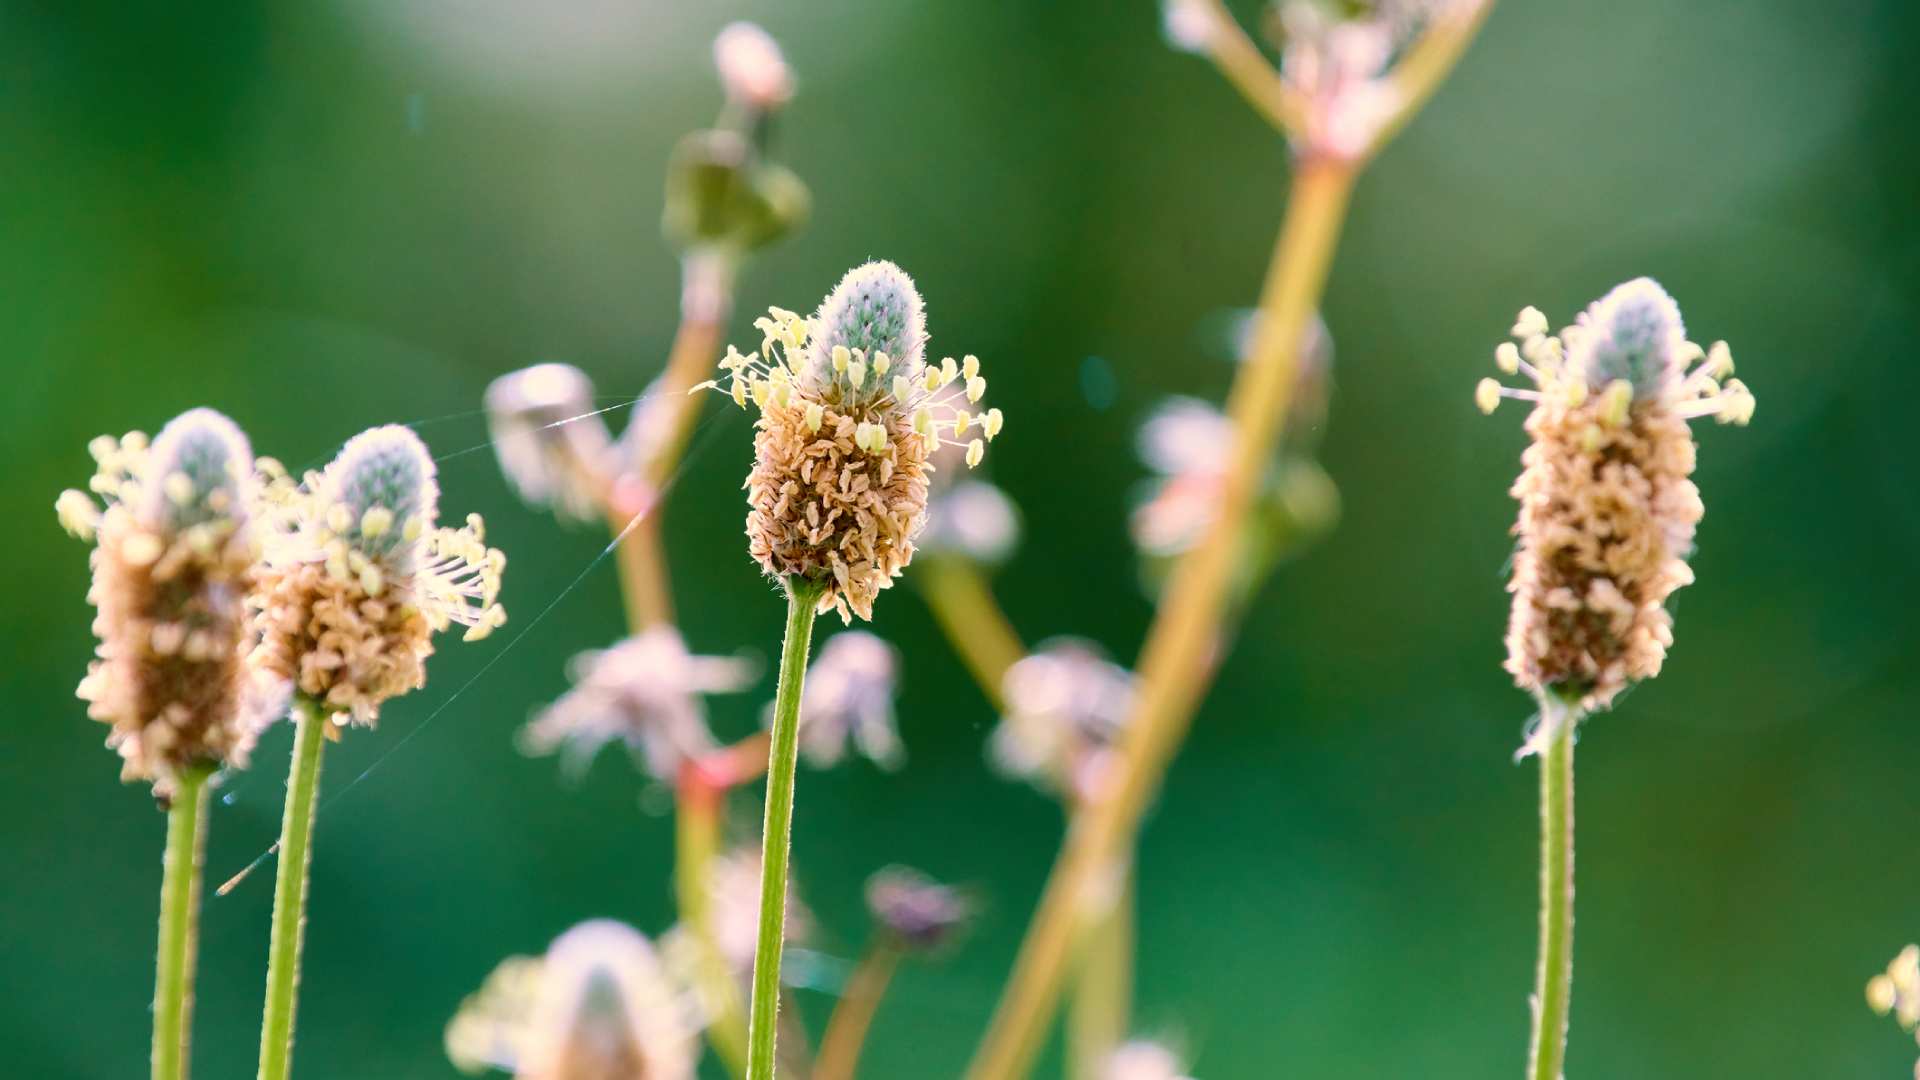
970,366
881,362
1615,401
760,392
932,378
816,415
102,447
339,519
739,390
1507,358
141,549
841,356
902,388
178,487
923,422
857,372
976,386
1576,391
412,530
948,370
372,580
961,418
376,521
1719,360
1532,322
975,451
990,424
1486,395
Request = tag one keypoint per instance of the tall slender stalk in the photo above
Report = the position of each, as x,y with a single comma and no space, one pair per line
179,924
290,891
696,842
975,626
777,830
853,1017
1175,659
1553,983
1102,1003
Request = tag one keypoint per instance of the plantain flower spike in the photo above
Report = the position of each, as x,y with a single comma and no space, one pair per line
597,1006
850,409
1066,706
1607,503
358,577
919,914
172,563
553,446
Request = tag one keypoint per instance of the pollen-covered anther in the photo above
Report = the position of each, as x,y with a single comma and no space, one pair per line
1607,504
173,563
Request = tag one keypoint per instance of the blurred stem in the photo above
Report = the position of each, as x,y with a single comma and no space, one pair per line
777,830
706,297
1175,660
1553,983
1103,991
697,843
974,623
1241,61
853,1017
290,891
179,923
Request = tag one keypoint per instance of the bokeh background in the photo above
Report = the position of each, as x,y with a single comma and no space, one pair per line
321,217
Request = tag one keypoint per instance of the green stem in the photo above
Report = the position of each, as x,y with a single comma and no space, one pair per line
1103,990
179,923
802,595
290,892
1553,984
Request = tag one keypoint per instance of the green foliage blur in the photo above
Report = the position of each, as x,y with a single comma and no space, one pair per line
322,217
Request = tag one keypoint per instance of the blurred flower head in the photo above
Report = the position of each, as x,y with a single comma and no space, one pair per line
848,697
645,692
597,1006
358,577
920,913
552,444
1141,1059
752,69
972,520
850,408
1607,503
1066,705
172,565
734,881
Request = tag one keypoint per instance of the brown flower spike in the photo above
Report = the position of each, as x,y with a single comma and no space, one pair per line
171,570
1607,503
357,578
850,411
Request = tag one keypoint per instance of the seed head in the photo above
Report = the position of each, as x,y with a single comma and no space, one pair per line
173,561
358,577
1065,707
920,913
850,410
645,692
848,696
1607,503
552,445
597,1006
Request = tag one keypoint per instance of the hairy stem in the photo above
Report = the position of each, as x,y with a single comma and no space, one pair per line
290,891
1103,990
853,1017
1175,659
179,924
973,622
777,830
697,842
1553,983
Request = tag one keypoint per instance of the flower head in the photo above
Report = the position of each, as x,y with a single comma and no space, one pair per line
552,444
972,520
597,1006
174,557
645,692
850,409
1066,705
920,913
358,577
752,69
1607,505
848,696
1141,1059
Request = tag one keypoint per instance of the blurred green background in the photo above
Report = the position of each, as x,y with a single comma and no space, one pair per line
321,217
